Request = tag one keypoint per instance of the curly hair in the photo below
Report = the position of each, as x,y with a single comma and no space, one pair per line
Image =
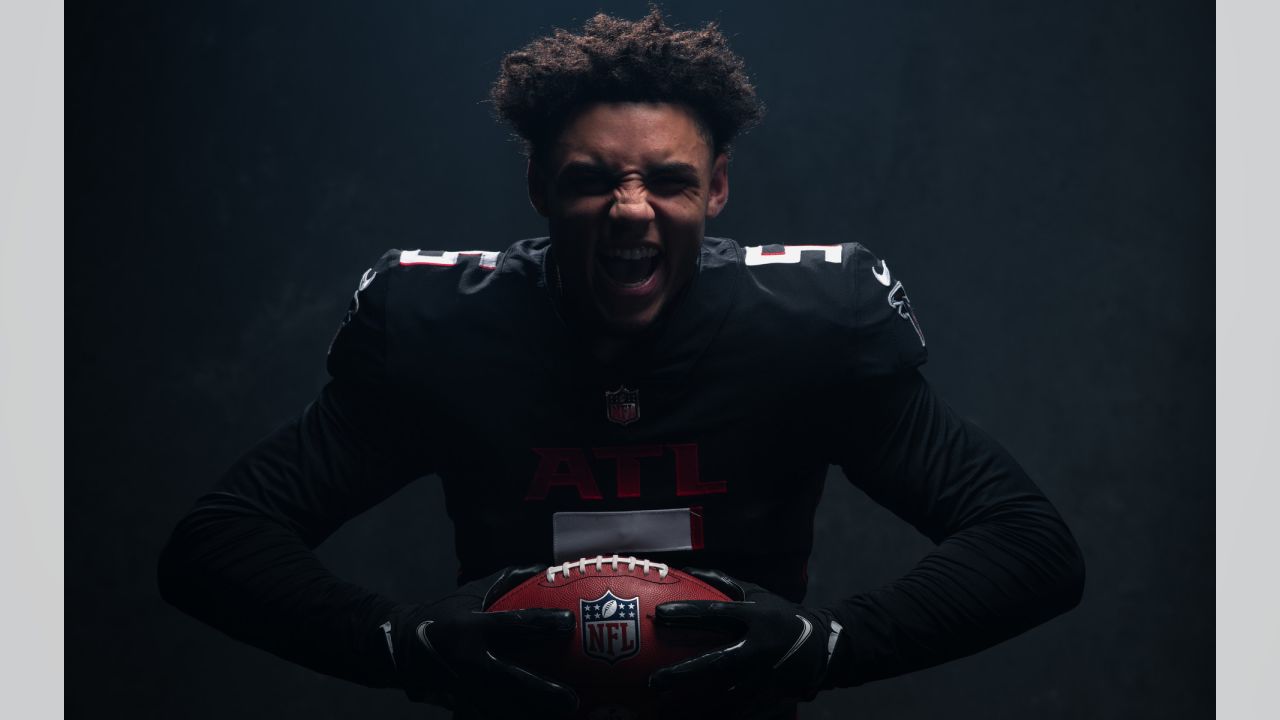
542,85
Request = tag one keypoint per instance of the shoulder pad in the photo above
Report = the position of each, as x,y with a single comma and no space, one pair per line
890,336
850,289
469,271
358,349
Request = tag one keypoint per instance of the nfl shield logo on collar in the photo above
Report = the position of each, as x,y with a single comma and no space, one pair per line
610,627
622,406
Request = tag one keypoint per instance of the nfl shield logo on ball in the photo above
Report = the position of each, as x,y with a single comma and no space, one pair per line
622,406
610,627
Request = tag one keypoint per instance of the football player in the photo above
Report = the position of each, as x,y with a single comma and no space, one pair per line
627,383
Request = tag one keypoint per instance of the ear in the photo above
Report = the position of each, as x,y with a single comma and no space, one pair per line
537,187
718,194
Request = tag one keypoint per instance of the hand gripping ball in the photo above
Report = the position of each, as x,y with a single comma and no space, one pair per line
615,645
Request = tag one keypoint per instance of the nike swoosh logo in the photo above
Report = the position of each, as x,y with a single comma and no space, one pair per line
804,635
422,634
884,279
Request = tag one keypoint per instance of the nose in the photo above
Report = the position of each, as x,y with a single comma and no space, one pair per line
631,203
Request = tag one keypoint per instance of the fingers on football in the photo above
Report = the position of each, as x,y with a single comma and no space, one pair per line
716,615
508,579
513,690
719,581
716,670
528,623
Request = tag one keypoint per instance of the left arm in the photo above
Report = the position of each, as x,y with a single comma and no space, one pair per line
1004,563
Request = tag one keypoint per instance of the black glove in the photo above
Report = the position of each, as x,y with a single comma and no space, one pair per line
448,652
781,655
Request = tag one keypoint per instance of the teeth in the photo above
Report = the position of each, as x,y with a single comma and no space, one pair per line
637,253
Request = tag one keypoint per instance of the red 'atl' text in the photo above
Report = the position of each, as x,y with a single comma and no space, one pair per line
569,467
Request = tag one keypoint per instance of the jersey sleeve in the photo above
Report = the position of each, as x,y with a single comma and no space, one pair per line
354,445
1004,559
887,335
358,353
241,560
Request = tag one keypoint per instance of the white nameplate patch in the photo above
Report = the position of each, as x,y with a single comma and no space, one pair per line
586,534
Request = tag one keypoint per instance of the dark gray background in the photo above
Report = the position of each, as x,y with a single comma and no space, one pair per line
1039,173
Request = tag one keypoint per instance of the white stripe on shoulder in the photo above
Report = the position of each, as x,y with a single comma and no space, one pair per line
790,254
449,258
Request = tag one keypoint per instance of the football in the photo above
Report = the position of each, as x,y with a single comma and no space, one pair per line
615,644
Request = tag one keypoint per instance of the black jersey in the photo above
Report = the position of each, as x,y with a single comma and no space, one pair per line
706,443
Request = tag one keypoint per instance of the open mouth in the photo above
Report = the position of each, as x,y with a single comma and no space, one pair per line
629,267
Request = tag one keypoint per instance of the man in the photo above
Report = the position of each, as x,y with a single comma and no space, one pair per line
684,393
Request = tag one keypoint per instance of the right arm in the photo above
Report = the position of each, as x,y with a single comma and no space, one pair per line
241,560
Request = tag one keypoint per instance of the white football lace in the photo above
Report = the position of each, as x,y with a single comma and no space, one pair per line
600,560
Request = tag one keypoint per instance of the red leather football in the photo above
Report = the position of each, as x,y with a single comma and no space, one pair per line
615,644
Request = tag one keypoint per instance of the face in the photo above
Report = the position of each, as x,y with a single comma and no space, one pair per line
627,190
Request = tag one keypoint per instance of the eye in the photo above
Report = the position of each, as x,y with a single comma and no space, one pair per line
669,184
586,183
